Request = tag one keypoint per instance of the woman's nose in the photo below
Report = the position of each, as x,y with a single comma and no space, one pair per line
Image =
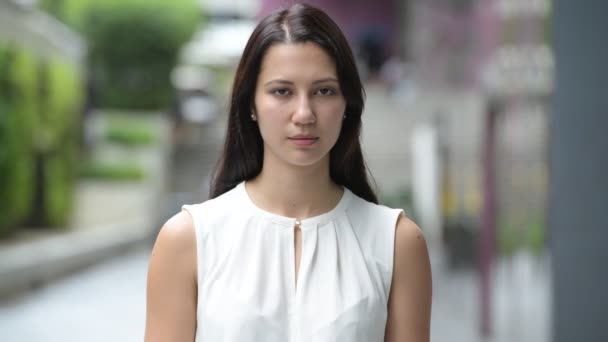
304,113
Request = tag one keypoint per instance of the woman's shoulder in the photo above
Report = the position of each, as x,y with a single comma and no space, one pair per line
176,240
172,278
364,211
177,234
394,221
215,211
408,236
375,226
174,250
371,219
227,200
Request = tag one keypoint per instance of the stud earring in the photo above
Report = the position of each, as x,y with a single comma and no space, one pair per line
253,117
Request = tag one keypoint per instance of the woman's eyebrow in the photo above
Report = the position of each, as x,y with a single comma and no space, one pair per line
326,79
322,80
278,81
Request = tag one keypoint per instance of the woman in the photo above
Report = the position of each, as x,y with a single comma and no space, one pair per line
292,246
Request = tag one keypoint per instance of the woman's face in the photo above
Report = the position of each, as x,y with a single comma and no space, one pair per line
298,103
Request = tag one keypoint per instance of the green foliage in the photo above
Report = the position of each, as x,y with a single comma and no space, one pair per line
526,233
112,172
130,135
535,237
69,12
8,145
508,238
18,73
61,124
53,7
18,100
134,46
74,12
39,107
128,130
59,181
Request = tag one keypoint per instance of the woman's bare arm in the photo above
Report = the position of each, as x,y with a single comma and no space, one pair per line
409,307
172,284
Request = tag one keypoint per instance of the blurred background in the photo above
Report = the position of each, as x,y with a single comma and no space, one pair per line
112,115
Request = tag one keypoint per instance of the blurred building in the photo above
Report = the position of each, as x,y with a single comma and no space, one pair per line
375,30
485,69
452,39
471,53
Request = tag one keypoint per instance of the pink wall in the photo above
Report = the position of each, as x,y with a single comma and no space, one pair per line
450,47
353,16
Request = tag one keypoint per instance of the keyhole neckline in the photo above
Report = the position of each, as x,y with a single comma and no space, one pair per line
291,222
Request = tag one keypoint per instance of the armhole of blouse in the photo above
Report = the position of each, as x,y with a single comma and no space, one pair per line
192,211
394,218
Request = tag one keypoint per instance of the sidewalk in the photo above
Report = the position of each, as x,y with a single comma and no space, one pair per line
109,217
521,303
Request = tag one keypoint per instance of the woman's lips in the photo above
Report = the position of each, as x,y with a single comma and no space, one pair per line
304,141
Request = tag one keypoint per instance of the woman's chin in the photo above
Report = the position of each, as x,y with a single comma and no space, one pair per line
305,159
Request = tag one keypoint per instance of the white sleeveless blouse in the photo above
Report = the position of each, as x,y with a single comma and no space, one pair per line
246,272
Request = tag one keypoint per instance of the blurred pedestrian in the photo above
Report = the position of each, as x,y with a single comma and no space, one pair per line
293,245
371,48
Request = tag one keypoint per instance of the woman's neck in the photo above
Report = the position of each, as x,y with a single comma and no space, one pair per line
295,191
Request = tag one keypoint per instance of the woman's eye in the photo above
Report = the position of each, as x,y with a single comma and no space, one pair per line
281,92
326,91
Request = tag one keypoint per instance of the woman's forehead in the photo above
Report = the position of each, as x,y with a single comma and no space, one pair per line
297,59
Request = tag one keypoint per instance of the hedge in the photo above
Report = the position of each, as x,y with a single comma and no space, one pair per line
133,46
18,98
40,100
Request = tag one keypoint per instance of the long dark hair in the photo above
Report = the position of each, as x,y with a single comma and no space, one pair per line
243,153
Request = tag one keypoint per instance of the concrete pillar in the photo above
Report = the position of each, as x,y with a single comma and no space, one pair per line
578,216
426,166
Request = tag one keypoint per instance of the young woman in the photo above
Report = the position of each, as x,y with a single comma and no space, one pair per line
293,245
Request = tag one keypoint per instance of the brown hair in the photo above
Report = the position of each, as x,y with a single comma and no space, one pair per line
243,152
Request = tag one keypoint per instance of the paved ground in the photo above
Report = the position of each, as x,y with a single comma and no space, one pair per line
103,303
521,304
